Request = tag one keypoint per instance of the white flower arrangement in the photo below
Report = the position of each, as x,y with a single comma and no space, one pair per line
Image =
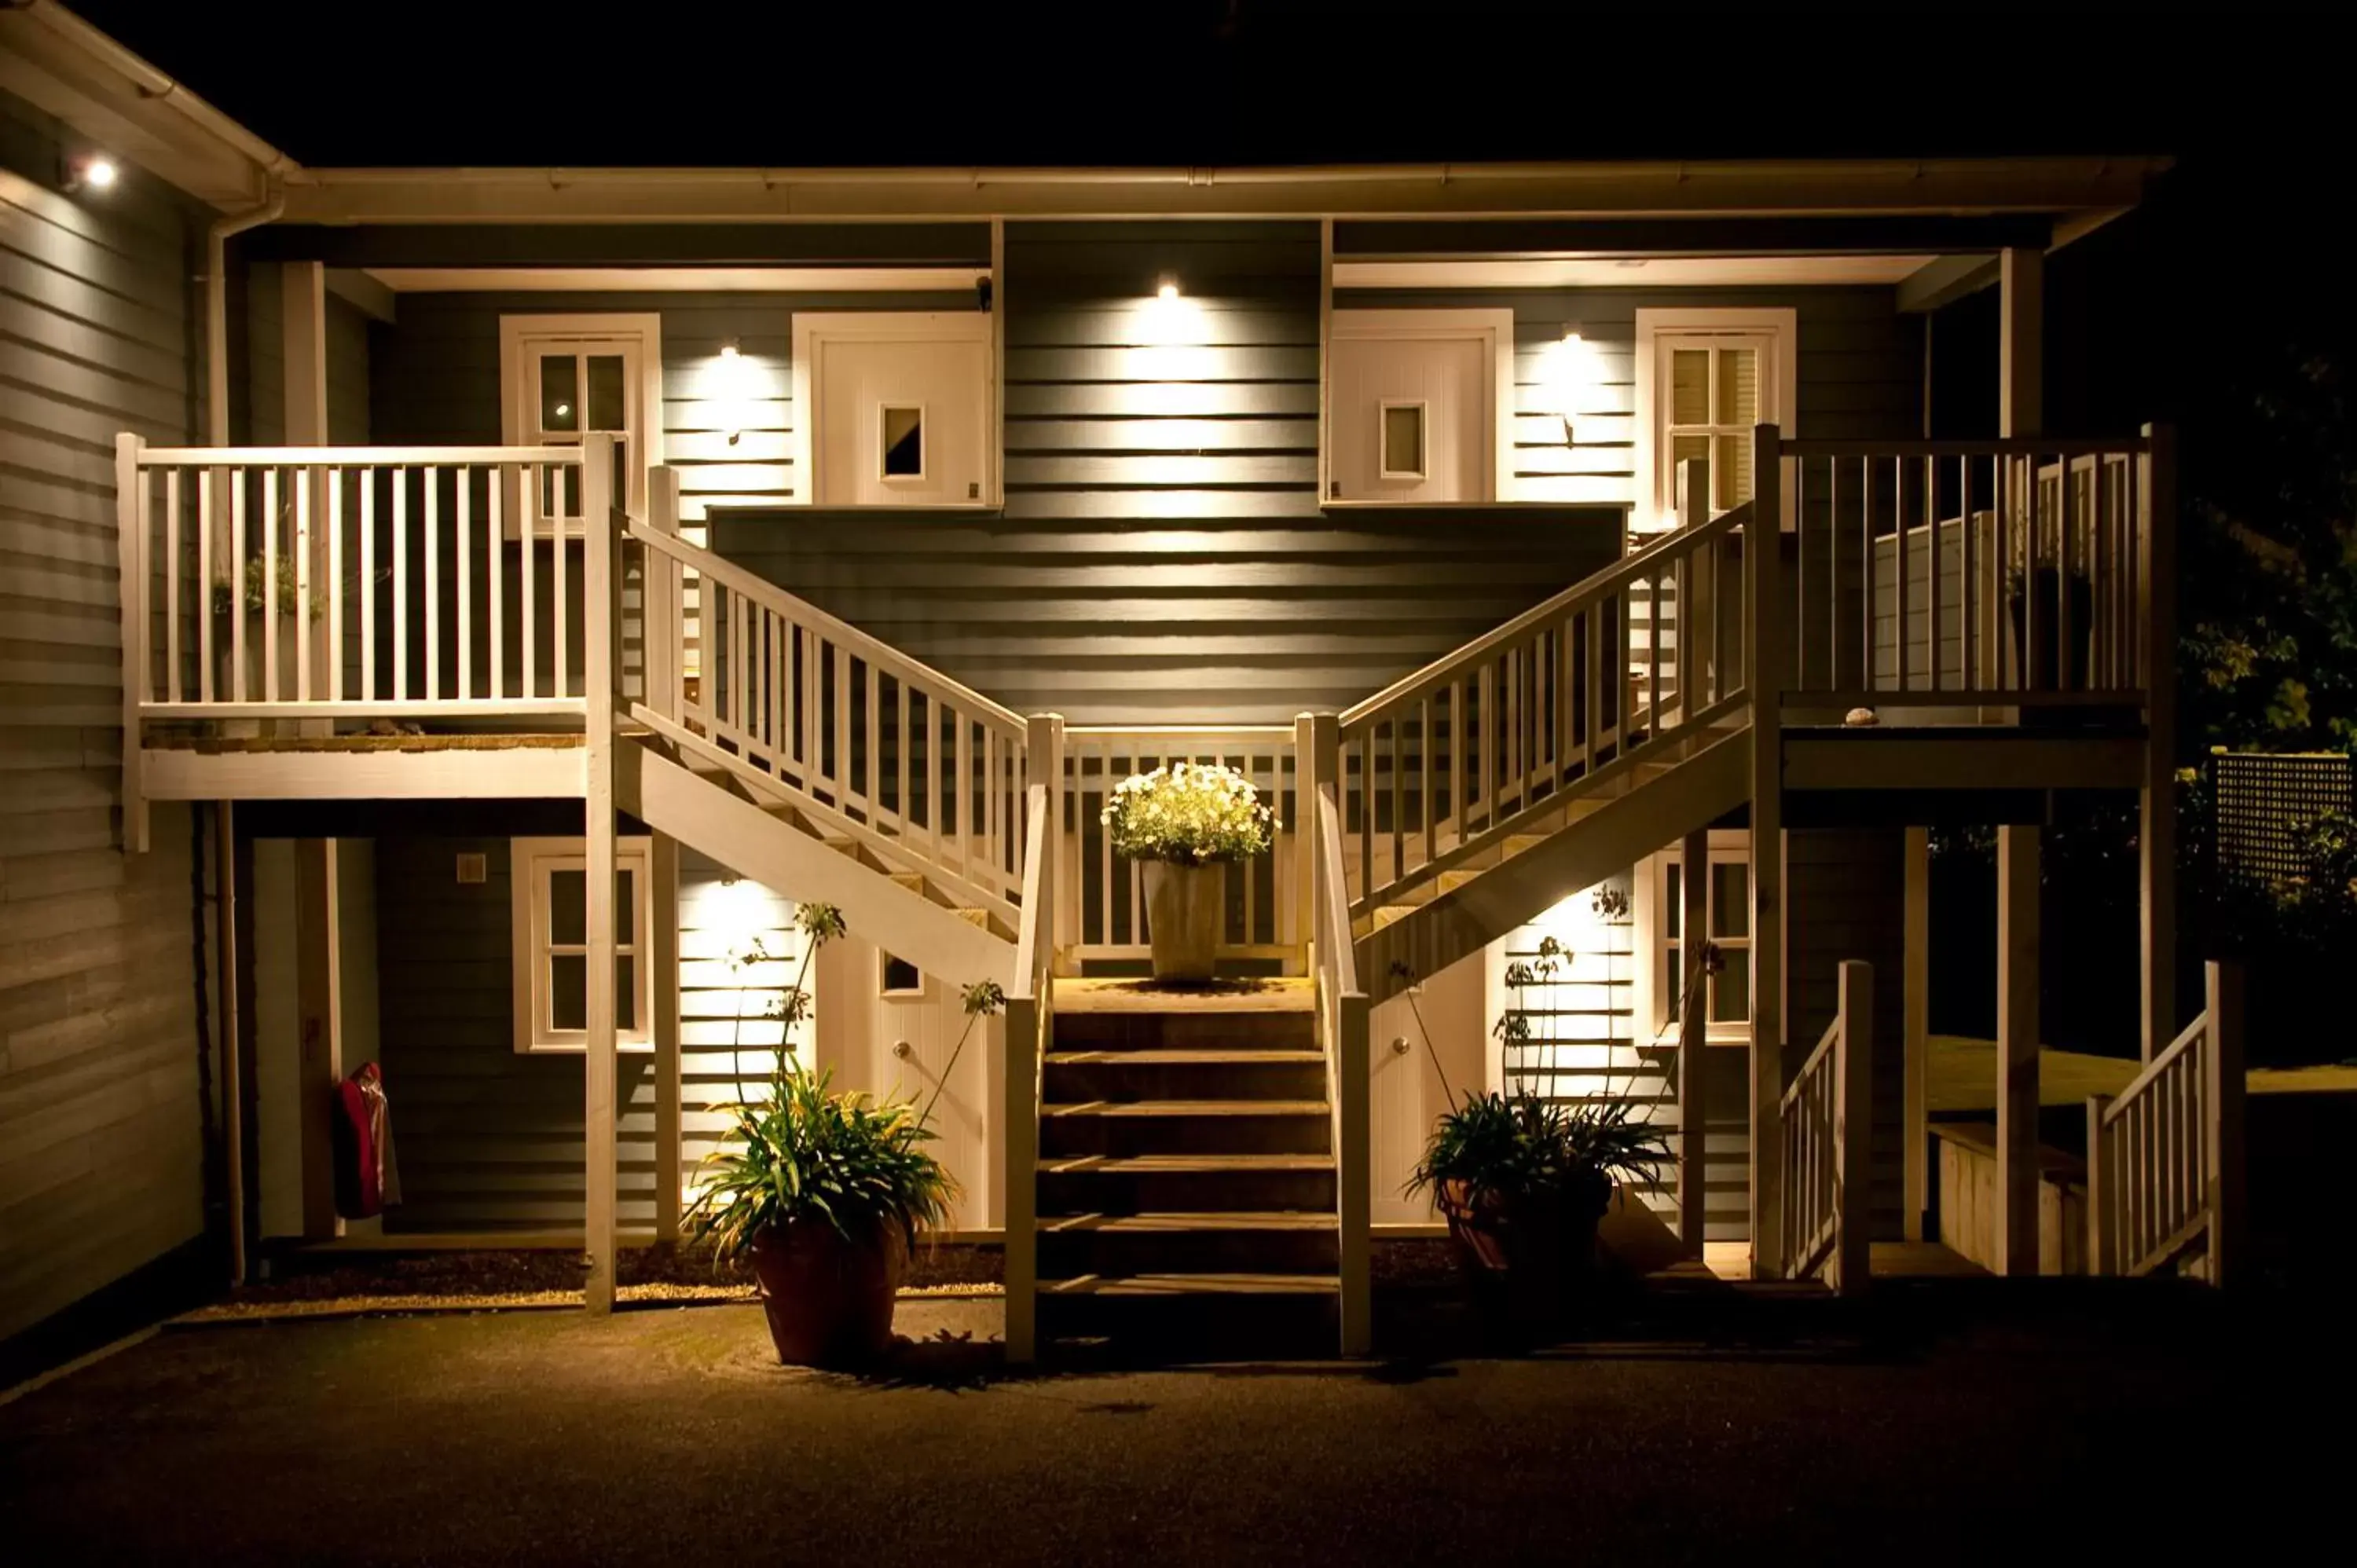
1190,814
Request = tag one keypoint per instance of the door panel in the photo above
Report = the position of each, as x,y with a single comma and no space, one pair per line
1375,383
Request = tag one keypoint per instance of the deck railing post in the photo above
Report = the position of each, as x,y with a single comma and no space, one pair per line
1304,819
2100,1234
600,625
1853,1129
1764,669
2156,828
131,559
2222,1102
662,616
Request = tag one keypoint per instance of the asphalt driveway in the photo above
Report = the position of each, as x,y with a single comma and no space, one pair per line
1931,1428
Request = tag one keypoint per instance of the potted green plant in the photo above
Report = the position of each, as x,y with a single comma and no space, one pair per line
824,1194
1522,1178
1186,822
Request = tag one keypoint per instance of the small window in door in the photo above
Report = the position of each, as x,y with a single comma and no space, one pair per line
902,978
901,440
1401,440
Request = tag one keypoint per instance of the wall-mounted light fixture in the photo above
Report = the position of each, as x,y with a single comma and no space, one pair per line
94,172
1167,288
732,376
1569,372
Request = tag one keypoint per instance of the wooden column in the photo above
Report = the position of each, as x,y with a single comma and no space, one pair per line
1854,1132
2021,371
2222,1098
302,342
599,622
318,1025
2016,1050
669,1160
229,1032
1029,1025
1915,1047
1693,1019
1764,672
2157,798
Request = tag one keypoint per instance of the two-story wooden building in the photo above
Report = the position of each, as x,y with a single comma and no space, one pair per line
456,615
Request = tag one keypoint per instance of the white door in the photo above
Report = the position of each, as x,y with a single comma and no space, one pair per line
1413,418
897,409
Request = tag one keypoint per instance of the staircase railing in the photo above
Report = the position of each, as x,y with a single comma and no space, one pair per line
2011,573
1827,1117
869,741
1342,1022
1451,760
2165,1155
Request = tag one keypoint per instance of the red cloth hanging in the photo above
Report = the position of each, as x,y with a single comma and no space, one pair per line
366,1180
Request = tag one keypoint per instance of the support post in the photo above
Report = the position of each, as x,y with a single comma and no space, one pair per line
1343,1022
661,619
669,1158
1029,1026
2157,798
1915,984
303,342
1694,1020
2098,1190
1764,672
230,1031
131,562
1854,1131
2016,1050
2021,371
1304,817
599,623
2223,1099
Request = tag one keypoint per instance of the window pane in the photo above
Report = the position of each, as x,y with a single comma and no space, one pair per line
1738,386
900,975
626,993
1688,449
1690,386
1731,471
626,907
1730,990
904,443
560,392
1730,900
605,392
1678,971
1403,439
568,906
568,992
1670,904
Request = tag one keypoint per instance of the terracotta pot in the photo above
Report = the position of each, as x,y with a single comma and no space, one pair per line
829,1301
1526,1256
1185,906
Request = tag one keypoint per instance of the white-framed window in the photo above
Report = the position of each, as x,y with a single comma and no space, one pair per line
897,978
1704,378
1727,996
549,893
1402,437
561,377
901,443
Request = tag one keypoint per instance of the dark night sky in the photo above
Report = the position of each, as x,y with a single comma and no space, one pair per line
1218,81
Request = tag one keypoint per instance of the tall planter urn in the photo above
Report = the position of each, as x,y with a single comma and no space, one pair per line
828,1298
1184,908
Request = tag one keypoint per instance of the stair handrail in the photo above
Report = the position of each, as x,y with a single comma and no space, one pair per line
874,650
2165,1155
1825,1119
1588,591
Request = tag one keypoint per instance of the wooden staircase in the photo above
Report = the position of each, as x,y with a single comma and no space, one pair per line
1186,1181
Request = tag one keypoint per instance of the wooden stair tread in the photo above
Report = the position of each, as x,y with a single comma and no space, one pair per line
1098,995
1174,1223
1181,1057
1162,1165
1189,1108
1193,1285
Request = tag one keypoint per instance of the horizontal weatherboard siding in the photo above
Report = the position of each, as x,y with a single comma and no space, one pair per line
1162,554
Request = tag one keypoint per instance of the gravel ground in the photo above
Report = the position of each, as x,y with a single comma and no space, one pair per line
1931,1425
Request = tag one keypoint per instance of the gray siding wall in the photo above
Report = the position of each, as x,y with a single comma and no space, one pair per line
1162,554
488,1139
1845,898
100,1158
1860,370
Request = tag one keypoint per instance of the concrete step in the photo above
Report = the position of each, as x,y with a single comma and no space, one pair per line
1211,1074
1276,1242
1193,1184
1185,1127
